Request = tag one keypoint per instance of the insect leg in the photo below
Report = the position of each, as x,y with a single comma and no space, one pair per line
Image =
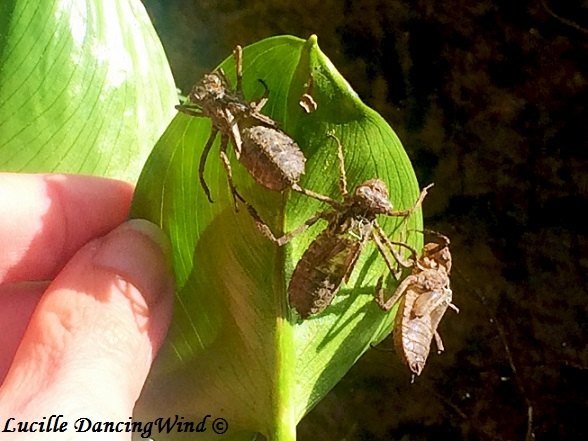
202,164
292,234
408,212
445,240
261,225
438,342
341,159
382,251
229,170
235,133
384,237
238,54
342,181
319,197
265,229
190,109
443,243
223,76
379,293
258,105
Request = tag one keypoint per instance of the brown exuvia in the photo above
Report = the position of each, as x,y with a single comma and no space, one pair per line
331,257
272,158
424,298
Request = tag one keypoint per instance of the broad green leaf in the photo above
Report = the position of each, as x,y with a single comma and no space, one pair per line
85,87
235,350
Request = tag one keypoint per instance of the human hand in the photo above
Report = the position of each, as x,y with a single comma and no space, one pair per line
95,291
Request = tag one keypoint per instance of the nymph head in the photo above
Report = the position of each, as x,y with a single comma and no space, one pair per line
211,87
372,196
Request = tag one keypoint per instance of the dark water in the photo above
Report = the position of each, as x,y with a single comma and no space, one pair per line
489,99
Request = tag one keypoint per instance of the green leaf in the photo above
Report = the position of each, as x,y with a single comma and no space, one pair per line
235,350
85,87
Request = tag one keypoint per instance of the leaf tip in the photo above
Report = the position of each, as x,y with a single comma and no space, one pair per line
312,41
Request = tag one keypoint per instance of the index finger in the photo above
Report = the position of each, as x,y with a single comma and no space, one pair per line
46,218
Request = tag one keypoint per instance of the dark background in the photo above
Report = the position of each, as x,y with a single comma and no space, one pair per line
489,99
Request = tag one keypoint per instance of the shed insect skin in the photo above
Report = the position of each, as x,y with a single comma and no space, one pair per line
272,158
330,258
424,298
307,101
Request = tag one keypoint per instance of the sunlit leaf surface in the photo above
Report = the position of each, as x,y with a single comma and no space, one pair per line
84,87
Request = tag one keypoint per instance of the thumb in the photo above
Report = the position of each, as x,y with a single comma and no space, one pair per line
93,336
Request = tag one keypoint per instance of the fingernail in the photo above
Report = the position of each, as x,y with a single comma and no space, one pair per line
140,253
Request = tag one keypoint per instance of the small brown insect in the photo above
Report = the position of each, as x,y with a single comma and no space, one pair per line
331,257
306,101
273,159
424,298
